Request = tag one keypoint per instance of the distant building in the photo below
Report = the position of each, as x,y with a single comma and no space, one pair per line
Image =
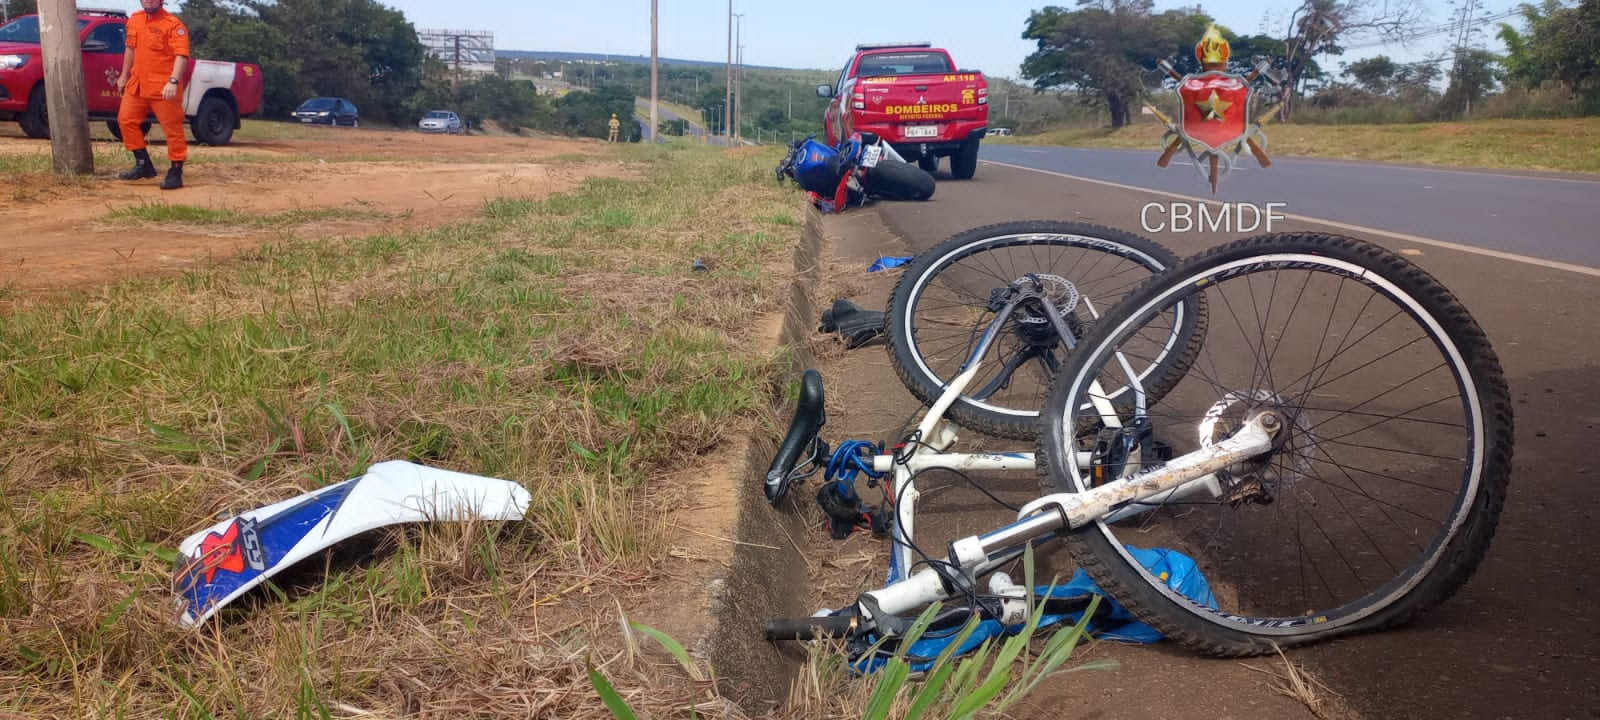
466,51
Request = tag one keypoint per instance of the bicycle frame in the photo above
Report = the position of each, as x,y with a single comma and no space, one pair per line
975,556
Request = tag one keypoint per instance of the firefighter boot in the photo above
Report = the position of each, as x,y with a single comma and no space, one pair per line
141,167
174,177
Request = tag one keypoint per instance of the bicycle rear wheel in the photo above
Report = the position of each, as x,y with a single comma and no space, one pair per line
943,302
1380,497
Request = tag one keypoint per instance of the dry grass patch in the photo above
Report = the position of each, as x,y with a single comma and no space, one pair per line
563,343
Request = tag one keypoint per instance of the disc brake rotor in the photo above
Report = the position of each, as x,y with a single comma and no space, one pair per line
1033,321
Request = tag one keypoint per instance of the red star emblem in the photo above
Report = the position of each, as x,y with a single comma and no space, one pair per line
221,552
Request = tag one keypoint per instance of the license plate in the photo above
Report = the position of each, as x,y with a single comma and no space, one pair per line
870,157
917,131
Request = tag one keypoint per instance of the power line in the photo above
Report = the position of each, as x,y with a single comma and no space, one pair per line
1452,27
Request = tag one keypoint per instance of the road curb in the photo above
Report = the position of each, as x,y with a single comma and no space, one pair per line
766,576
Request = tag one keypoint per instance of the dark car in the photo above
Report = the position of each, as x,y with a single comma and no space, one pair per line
327,111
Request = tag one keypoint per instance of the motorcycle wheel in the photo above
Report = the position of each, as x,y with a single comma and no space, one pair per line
895,180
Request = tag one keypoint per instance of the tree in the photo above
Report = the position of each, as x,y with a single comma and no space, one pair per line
1107,48
359,49
12,8
1243,52
1375,74
1523,61
1471,78
1318,27
587,113
772,118
511,103
1380,76
1560,45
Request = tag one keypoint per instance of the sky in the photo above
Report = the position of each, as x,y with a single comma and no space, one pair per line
982,35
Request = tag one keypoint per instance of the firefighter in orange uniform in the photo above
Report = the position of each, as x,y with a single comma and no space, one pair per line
152,79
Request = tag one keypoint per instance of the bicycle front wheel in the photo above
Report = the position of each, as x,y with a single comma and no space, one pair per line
1381,493
945,300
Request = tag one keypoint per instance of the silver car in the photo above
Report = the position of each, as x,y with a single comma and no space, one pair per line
440,121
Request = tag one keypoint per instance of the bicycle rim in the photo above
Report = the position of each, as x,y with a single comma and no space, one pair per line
1383,494
941,308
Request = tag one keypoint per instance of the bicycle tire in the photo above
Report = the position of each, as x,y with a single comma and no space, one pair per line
1105,264
1303,472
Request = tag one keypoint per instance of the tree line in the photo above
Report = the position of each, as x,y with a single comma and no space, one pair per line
775,102
369,53
1104,53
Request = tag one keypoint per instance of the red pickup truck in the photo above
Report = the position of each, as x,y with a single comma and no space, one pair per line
913,96
216,94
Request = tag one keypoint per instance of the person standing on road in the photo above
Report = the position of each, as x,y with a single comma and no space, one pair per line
615,126
152,80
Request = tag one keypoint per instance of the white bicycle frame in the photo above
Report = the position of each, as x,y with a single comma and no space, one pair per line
1182,477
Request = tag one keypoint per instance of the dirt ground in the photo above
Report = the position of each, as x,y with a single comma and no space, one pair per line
57,236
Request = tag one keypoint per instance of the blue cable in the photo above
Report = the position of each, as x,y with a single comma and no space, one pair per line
847,461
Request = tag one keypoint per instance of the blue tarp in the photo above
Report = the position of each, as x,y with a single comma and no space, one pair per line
1114,622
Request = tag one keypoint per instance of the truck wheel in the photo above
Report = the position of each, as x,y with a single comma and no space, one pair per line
34,121
895,180
964,164
213,123
116,130
929,163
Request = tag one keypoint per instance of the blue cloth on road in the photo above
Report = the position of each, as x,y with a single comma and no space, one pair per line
884,263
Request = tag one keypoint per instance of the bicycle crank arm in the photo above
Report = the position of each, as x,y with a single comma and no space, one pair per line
1055,512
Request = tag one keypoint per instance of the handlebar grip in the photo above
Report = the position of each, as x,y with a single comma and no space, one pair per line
811,628
808,417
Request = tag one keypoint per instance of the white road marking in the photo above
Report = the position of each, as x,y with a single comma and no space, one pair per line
1541,262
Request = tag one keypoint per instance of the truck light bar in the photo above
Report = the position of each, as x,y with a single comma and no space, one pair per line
878,46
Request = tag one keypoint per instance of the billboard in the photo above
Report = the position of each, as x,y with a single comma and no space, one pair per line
463,50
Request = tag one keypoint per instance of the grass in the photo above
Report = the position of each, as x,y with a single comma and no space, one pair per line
1570,145
179,214
985,682
564,343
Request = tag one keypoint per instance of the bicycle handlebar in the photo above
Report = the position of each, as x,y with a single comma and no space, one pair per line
811,628
808,417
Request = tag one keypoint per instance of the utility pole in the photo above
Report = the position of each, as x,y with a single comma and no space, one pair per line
738,96
654,61
63,87
738,76
727,104
1463,44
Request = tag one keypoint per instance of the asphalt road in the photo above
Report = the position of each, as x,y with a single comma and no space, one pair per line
663,113
1519,640
1548,216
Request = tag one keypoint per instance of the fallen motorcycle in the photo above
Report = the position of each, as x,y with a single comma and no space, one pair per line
862,167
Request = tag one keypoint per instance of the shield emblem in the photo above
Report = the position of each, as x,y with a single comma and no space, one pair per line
1215,108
